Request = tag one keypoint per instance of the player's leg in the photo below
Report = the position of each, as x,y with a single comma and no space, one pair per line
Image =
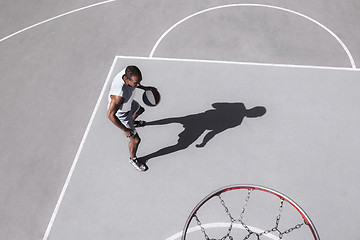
136,111
133,146
134,140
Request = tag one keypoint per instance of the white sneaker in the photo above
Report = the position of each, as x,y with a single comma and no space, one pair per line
138,165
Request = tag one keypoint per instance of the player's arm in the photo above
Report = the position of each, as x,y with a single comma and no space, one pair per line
115,103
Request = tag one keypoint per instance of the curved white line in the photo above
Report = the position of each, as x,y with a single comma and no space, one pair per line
221,225
256,5
53,18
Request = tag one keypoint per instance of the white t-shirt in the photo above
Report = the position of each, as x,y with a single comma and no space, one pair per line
119,88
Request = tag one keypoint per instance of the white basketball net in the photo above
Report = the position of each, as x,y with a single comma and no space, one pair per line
252,233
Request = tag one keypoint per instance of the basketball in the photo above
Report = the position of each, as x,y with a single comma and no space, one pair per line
151,97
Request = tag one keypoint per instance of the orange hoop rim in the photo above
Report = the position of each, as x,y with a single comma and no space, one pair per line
219,191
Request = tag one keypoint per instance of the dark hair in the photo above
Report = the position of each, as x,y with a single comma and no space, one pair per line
132,71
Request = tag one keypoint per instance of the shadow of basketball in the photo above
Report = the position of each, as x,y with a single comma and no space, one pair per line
224,116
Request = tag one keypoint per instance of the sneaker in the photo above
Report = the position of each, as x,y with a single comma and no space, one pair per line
138,165
139,123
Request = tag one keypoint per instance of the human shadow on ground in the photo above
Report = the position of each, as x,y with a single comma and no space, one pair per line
224,116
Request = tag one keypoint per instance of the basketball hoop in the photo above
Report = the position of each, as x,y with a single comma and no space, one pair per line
273,229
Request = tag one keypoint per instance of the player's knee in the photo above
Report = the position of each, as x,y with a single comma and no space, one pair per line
136,139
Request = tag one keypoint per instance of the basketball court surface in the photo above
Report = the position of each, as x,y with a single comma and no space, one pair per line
258,93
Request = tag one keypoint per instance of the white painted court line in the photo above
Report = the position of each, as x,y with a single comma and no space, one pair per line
240,63
53,18
48,229
352,62
220,225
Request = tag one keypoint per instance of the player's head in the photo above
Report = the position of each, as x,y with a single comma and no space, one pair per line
133,75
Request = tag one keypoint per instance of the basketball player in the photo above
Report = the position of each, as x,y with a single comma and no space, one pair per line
123,109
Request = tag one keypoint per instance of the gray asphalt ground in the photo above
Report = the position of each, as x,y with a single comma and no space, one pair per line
52,74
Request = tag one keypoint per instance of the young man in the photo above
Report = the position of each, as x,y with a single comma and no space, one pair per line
123,109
